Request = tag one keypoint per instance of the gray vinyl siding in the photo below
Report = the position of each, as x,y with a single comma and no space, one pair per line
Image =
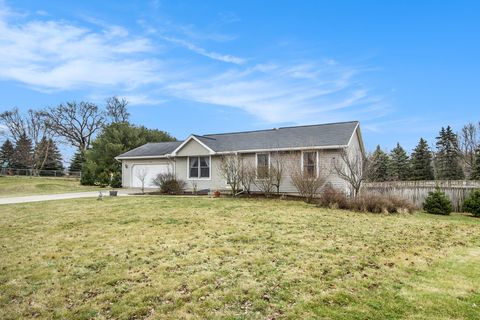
192,148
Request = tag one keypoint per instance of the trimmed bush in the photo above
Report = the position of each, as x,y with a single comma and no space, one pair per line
437,203
472,203
168,183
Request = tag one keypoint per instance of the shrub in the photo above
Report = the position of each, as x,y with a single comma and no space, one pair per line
103,179
116,181
88,173
333,199
472,203
437,203
402,205
168,183
373,203
376,203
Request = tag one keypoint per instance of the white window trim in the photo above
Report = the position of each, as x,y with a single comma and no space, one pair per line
209,168
256,163
317,161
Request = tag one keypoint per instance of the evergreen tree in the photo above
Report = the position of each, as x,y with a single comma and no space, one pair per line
76,163
23,154
421,162
447,160
399,164
379,164
49,158
6,153
115,139
476,166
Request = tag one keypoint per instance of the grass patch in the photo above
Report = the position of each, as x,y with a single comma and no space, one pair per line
24,186
149,257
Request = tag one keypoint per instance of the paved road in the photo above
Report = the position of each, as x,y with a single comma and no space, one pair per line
60,196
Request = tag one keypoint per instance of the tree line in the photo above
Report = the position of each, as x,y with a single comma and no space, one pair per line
99,133
456,156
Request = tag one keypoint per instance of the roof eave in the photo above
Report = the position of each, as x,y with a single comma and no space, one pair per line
143,157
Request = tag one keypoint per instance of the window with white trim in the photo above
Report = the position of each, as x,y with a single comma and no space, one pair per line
263,164
199,167
310,163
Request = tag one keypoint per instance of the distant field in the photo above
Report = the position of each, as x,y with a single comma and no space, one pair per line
23,186
181,258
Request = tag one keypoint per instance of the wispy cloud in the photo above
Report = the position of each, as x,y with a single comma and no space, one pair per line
49,54
299,93
204,52
58,55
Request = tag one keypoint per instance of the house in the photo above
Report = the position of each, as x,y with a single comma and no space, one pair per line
196,160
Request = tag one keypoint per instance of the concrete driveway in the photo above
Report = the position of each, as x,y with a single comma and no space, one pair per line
62,196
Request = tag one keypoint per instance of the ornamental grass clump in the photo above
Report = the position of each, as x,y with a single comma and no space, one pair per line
437,203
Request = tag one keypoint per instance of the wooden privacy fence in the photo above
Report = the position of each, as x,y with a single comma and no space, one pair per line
417,191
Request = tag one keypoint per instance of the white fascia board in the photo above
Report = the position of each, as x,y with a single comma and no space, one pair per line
360,139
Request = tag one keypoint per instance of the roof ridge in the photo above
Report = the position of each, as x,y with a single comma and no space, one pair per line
272,129
204,136
162,142
320,124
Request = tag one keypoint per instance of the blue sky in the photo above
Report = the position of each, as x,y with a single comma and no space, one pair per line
403,68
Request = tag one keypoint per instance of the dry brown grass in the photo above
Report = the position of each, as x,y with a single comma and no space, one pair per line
176,258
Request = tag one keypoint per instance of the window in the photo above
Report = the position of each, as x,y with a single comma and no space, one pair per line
263,161
310,163
199,167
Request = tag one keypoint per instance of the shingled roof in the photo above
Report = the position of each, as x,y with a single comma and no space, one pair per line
330,135
152,149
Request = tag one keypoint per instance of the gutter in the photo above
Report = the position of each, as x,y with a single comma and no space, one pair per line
169,156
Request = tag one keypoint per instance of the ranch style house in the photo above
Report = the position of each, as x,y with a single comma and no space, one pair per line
197,159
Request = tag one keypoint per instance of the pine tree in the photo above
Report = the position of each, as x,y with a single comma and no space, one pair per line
76,163
379,164
476,166
421,162
6,153
400,164
447,159
49,159
23,154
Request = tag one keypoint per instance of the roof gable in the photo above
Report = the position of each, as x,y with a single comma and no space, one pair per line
192,146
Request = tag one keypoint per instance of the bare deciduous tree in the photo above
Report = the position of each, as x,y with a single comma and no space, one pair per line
75,122
277,168
14,122
34,126
141,175
117,109
231,169
307,184
247,176
351,168
468,140
265,183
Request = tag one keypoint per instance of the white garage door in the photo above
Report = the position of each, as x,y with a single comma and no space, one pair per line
150,171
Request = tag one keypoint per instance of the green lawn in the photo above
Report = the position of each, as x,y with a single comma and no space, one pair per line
177,258
24,186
